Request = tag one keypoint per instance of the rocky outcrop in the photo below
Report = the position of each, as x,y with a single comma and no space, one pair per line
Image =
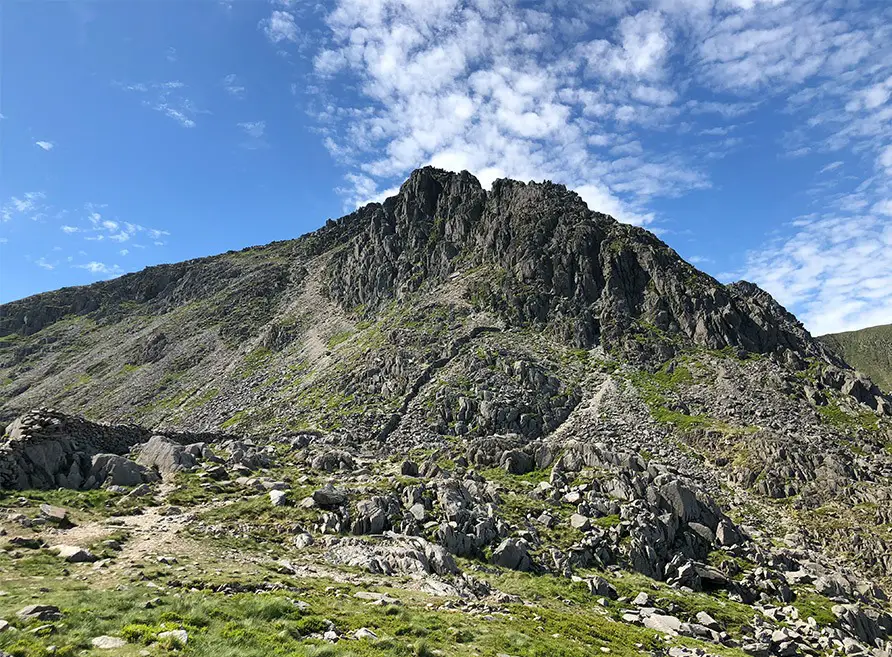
555,263
48,449
165,456
45,448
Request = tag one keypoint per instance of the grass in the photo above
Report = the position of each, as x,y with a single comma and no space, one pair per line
338,338
819,607
833,415
868,350
260,624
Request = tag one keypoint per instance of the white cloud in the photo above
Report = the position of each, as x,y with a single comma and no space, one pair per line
171,55
123,252
70,229
168,98
821,270
280,26
885,159
45,145
101,268
233,86
641,48
43,264
30,205
3,240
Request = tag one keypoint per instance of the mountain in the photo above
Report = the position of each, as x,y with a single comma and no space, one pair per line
868,350
259,339
462,420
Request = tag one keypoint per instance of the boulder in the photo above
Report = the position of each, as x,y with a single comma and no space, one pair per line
165,456
73,553
513,553
115,470
726,534
278,497
329,496
662,623
333,460
517,462
392,554
40,612
56,515
370,517
180,637
106,642
409,469
580,522
602,588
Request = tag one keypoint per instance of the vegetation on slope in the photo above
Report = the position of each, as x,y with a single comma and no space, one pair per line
868,350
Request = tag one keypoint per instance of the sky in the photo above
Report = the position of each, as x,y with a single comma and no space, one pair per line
753,136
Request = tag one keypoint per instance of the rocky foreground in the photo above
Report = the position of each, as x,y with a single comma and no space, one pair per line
631,537
461,422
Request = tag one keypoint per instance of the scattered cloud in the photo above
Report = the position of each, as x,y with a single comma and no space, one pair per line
233,86
70,229
169,99
45,145
254,132
253,129
123,252
30,205
821,270
280,26
171,55
833,166
43,264
101,269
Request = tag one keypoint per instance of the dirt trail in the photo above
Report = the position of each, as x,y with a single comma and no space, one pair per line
152,533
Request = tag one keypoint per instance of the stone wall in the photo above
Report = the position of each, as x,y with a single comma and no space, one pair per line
47,449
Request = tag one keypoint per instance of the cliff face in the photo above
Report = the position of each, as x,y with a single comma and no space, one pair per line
553,263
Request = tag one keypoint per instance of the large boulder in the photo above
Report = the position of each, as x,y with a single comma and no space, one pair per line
329,496
392,554
517,462
513,553
165,456
115,470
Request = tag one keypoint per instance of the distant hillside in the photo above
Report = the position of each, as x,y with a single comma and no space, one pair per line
868,350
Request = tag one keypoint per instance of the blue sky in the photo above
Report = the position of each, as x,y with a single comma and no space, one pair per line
754,136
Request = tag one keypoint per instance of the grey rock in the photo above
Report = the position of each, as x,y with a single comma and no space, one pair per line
165,456
40,612
328,496
115,470
106,642
73,553
512,553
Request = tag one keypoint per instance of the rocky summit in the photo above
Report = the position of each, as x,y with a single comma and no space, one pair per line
460,422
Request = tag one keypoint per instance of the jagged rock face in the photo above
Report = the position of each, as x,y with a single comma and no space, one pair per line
556,263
